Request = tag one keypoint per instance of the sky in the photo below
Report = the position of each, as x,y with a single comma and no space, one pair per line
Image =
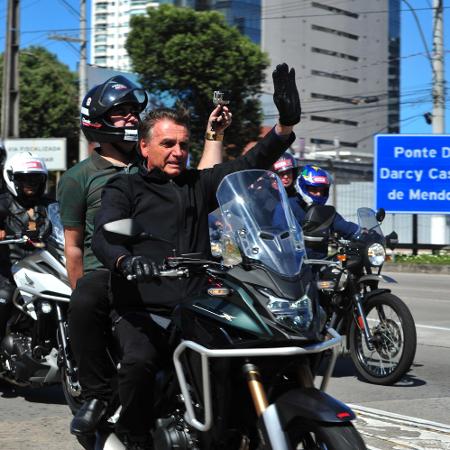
40,18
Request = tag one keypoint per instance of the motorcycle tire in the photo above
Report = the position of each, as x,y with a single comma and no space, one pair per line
317,436
395,340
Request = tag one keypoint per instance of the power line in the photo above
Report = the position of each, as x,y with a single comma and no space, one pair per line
59,30
70,8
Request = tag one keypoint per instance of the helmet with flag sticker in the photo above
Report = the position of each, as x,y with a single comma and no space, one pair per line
313,184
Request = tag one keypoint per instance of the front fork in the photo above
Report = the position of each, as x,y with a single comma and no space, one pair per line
273,437
361,319
69,368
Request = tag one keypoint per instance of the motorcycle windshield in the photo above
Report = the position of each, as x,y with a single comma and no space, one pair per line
57,227
257,217
367,219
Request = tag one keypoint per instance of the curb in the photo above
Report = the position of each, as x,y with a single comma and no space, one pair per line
443,269
386,430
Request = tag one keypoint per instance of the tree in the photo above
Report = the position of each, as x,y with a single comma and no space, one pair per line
185,55
48,102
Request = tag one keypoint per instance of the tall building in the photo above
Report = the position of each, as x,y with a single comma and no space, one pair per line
346,56
110,27
243,14
110,24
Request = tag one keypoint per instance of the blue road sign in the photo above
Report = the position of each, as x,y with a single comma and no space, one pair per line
412,173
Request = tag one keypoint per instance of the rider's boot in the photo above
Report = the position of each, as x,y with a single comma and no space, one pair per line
88,417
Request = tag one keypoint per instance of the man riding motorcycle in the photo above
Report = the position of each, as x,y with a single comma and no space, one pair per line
110,114
313,188
172,203
23,210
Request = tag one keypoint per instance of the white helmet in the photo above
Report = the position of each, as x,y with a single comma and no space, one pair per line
24,169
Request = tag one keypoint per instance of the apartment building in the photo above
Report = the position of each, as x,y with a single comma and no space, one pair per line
110,24
110,27
346,56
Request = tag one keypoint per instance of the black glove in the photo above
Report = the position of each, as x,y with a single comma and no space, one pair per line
285,95
139,268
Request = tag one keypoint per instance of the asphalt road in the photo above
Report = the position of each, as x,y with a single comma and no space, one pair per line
35,419
425,392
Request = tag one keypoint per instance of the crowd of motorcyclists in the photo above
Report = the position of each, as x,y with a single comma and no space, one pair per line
138,169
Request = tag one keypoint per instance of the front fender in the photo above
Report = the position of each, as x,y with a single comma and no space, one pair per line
365,279
374,293
311,404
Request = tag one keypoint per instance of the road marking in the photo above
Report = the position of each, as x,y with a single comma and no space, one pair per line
386,430
432,327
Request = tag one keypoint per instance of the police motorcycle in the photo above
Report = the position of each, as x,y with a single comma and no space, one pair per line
246,349
35,351
379,328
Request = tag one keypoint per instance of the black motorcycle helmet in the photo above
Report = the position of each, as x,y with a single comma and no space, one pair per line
100,100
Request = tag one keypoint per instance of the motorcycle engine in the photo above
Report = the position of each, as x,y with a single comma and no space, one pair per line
13,347
173,433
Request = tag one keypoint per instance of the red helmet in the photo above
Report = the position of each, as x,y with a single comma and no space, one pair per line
284,163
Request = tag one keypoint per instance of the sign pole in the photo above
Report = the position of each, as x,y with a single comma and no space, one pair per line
438,223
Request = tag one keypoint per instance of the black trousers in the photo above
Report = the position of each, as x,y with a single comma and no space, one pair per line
143,347
89,332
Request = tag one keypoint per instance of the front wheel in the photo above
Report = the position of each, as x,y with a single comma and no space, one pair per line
315,436
394,340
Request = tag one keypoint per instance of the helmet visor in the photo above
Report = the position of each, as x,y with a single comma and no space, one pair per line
30,179
318,191
117,93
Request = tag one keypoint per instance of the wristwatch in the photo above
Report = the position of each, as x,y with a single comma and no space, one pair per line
213,136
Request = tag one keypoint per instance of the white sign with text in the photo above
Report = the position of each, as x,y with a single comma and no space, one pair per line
52,150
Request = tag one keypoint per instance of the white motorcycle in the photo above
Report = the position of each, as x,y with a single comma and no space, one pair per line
35,350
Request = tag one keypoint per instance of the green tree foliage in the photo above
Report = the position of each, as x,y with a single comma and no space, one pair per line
187,55
48,102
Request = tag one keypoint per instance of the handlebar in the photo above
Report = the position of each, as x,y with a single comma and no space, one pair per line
14,240
170,273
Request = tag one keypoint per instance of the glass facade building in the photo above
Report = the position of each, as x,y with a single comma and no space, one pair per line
243,14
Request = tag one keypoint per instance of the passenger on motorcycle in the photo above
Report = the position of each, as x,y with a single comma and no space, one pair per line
172,203
110,115
23,211
286,168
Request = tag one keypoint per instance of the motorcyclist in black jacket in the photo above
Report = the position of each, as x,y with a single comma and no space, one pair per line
23,210
171,203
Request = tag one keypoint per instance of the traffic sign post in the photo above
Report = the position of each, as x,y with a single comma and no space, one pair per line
412,173
52,150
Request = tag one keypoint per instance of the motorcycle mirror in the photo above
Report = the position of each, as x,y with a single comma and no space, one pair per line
126,231
123,227
392,240
381,214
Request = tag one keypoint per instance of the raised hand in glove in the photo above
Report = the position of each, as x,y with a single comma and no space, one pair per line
285,95
139,268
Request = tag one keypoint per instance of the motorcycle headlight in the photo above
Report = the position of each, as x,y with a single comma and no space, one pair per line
297,314
376,254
